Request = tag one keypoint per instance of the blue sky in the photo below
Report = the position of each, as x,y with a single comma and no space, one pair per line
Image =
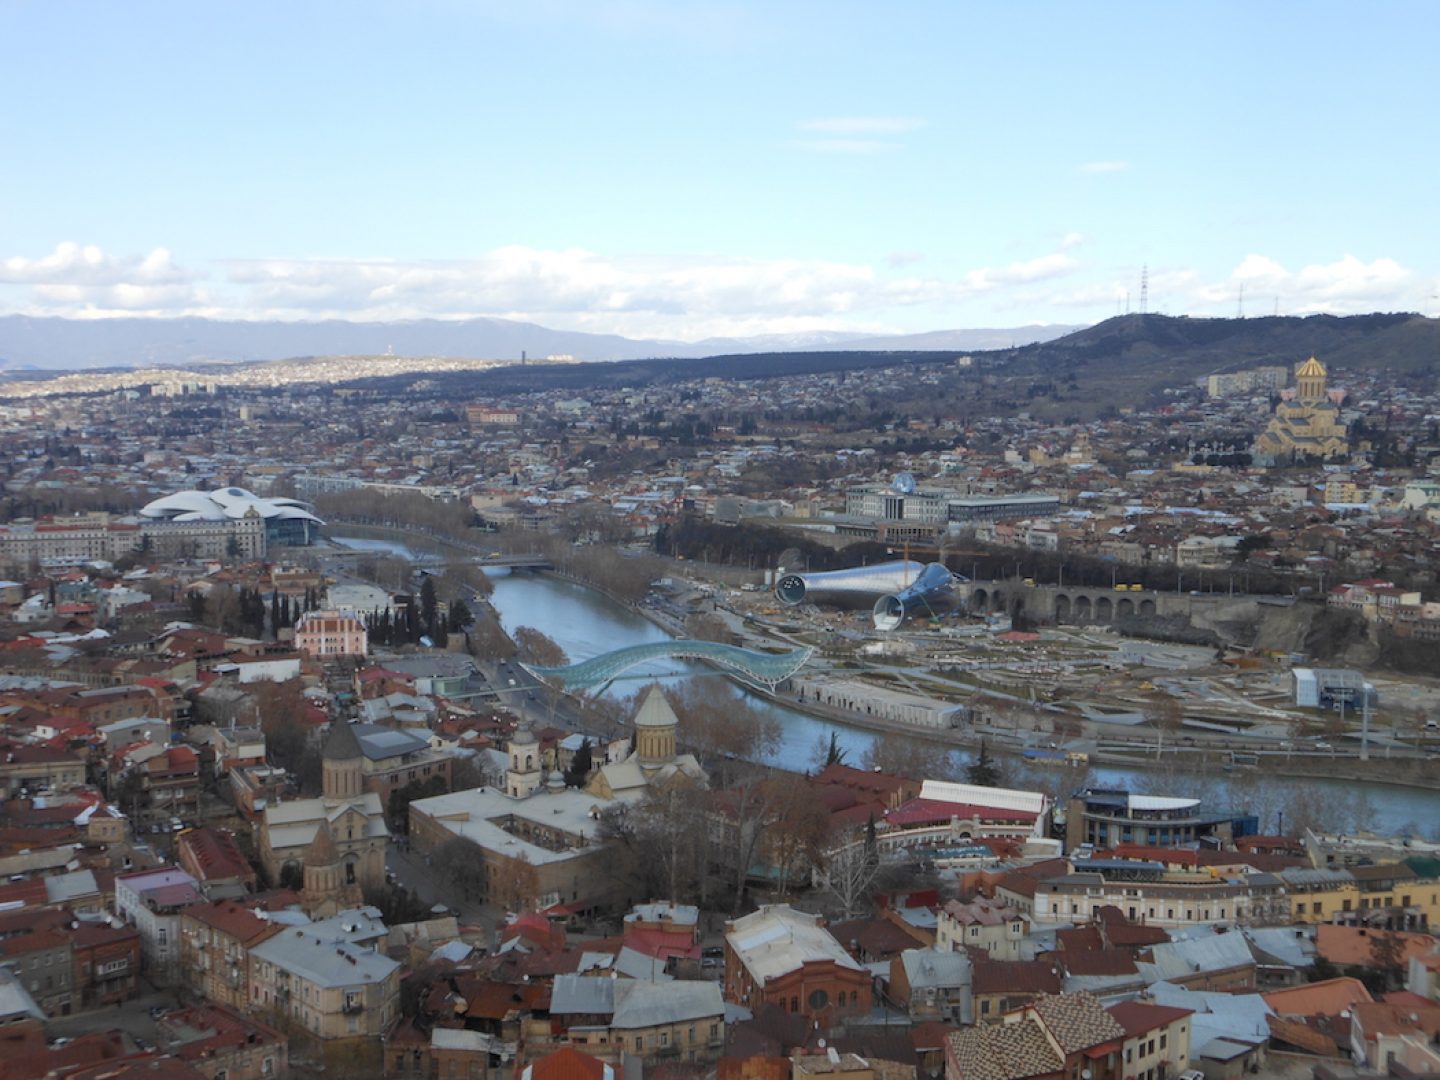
693,169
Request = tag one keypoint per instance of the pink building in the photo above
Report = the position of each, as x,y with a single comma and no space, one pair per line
331,633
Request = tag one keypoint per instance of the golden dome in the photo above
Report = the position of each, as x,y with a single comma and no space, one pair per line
1310,369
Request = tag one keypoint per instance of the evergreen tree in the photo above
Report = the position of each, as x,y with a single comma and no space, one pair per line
983,772
580,765
428,606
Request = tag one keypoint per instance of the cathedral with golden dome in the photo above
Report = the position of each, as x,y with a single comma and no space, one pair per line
1306,424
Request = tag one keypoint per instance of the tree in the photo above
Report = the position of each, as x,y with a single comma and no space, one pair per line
516,884
429,607
829,753
912,758
796,839
1387,956
538,648
580,766
982,771
721,729
851,870
459,617
462,863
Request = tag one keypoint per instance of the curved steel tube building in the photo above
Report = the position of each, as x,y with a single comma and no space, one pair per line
854,586
931,587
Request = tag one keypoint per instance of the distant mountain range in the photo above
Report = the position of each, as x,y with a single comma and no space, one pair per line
54,344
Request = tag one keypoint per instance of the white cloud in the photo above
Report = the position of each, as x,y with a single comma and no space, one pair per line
844,146
86,281
1347,286
1071,240
646,296
1017,273
72,264
864,125
904,258
1104,166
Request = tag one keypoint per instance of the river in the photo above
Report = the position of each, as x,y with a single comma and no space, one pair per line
585,623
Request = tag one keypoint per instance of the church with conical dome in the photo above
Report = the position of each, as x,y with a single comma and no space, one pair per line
336,842
1306,424
655,761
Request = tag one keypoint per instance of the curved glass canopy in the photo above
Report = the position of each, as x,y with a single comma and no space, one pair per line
766,669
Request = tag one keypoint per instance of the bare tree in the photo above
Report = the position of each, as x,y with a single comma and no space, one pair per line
850,871
912,758
539,648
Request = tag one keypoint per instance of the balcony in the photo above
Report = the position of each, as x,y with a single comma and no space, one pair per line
352,1007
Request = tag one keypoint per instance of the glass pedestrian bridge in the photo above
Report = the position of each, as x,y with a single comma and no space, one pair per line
763,668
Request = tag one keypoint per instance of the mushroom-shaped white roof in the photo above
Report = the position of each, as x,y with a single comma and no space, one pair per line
222,504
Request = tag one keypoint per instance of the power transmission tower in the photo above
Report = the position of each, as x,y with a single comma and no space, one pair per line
1144,290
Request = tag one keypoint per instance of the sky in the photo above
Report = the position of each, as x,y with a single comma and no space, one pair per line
689,169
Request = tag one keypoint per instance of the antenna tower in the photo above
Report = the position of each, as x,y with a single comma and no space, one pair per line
1240,303
1144,290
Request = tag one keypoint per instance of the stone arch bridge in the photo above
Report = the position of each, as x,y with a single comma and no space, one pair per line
1084,605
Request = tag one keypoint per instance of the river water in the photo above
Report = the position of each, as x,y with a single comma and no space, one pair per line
586,623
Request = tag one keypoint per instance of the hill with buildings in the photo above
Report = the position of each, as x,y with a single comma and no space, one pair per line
1127,355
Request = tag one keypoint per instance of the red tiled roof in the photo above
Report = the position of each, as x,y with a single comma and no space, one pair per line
936,811
567,1063
1138,1017
1329,997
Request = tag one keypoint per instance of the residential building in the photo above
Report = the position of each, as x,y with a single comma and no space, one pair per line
221,1044
107,963
997,928
36,946
215,942
933,984
392,758
1055,1036
152,901
1157,1039
346,996
653,1021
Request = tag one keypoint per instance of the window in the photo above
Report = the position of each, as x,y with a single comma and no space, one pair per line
794,1004
819,999
1164,1038
664,1038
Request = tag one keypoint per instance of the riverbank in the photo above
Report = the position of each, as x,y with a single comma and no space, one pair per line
1417,776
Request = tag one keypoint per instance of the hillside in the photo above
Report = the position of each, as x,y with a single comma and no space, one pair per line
1149,351
1124,358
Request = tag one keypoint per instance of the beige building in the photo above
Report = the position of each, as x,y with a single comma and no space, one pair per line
682,1022
334,991
539,841
1306,425
997,928
353,817
1157,1039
